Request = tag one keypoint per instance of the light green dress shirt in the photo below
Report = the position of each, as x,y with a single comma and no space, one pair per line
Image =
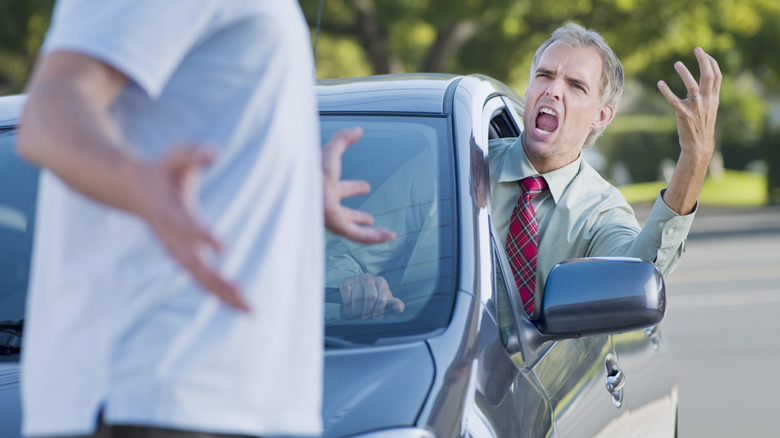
582,215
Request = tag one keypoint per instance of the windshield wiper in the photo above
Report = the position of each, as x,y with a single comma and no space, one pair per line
336,342
11,337
12,325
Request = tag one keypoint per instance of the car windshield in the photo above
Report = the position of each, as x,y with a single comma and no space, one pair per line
408,161
18,188
409,164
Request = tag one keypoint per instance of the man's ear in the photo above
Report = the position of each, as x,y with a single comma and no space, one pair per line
603,117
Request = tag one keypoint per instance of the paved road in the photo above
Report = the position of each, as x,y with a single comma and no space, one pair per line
723,325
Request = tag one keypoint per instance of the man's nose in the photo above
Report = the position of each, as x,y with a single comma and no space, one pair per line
555,90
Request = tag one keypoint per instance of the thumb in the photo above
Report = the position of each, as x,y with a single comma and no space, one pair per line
183,165
397,305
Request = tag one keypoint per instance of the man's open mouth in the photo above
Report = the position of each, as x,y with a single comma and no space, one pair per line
546,121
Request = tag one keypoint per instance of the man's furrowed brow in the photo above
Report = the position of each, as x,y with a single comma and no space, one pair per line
543,70
577,81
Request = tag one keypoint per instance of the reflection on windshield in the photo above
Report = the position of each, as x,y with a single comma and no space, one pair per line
18,188
407,161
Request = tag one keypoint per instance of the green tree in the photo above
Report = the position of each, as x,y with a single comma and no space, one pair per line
498,37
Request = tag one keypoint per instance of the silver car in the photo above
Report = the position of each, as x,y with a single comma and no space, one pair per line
459,357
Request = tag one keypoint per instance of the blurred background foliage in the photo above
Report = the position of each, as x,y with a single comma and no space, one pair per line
23,24
498,38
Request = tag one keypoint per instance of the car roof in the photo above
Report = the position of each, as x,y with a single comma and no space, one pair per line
415,93
425,93
422,93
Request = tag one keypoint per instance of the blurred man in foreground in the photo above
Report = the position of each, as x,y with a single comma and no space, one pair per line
175,213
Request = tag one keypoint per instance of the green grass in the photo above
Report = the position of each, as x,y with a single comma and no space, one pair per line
733,189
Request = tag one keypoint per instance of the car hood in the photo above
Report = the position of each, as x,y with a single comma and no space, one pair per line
365,389
375,387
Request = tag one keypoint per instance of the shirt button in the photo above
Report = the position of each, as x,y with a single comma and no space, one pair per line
670,231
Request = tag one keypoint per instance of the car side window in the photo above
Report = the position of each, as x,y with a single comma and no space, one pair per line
515,113
502,126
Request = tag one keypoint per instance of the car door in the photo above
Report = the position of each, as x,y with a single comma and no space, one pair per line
650,392
575,374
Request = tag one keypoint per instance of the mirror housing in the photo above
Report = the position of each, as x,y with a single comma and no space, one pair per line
605,295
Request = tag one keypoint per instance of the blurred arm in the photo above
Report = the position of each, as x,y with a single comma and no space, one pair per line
67,128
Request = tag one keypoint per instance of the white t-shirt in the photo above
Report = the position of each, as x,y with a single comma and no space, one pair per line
113,322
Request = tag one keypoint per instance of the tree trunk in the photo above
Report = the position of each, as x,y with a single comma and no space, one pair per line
447,42
373,37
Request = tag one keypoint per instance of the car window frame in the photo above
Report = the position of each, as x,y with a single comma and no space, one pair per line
519,335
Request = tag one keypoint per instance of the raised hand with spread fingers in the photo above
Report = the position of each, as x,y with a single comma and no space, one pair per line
696,115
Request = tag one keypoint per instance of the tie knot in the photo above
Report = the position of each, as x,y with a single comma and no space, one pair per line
533,185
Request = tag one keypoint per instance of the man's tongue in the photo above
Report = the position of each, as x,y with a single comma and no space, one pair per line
547,122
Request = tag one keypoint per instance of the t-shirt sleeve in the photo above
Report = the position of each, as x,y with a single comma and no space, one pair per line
144,39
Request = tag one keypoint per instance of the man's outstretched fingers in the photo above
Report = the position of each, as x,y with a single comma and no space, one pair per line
668,94
341,140
353,187
341,220
691,86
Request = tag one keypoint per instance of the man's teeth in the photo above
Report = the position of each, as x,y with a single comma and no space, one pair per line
548,111
543,132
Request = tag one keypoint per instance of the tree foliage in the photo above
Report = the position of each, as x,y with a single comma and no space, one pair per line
498,38
493,36
22,27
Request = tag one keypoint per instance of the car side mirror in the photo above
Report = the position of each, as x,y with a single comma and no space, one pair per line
594,296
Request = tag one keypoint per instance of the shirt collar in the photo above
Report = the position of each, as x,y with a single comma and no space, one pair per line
516,166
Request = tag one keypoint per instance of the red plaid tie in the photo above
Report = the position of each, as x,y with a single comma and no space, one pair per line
521,241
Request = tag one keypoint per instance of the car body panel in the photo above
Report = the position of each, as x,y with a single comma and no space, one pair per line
395,372
646,360
573,373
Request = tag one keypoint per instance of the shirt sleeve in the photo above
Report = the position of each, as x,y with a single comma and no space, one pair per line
661,241
666,231
144,39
